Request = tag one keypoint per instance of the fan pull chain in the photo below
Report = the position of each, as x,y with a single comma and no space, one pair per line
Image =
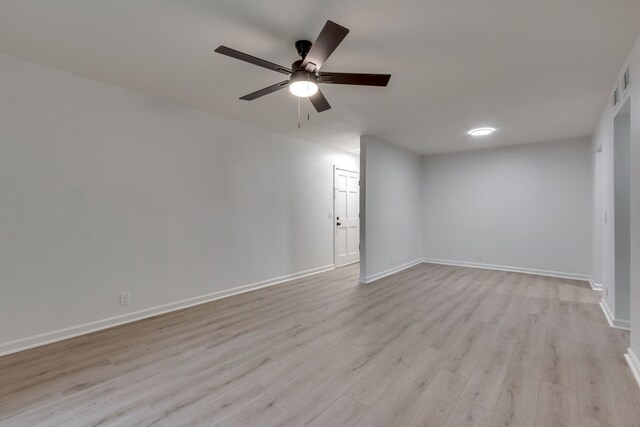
298,113
308,97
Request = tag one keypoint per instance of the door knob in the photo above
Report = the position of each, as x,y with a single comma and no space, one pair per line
337,223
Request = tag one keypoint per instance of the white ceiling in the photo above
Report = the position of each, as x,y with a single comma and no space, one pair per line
535,69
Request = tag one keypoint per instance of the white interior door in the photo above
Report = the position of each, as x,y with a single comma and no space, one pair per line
347,216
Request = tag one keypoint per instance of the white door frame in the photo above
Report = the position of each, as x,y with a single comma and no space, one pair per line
333,216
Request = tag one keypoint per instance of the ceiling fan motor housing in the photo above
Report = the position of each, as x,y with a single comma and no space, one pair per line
299,73
303,76
303,47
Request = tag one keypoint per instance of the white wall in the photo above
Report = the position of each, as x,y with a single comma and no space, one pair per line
390,208
525,206
104,190
604,137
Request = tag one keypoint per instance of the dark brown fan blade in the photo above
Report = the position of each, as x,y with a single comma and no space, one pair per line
266,91
328,39
252,60
354,79
319,102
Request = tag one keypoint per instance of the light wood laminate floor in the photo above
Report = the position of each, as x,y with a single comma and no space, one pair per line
433,345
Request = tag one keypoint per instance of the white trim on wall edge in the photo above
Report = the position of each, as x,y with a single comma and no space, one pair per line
572,276
613,322
389,272
634,364
595,286
86,328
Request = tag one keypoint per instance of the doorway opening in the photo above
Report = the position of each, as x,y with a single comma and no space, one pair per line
346,208
622,212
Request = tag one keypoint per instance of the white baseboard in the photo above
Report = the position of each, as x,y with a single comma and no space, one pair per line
389,272
573,276
595,286
561,275
74,331
613,322
349,263
634,364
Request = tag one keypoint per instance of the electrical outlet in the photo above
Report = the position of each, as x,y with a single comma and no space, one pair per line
125,298
479,257
393,261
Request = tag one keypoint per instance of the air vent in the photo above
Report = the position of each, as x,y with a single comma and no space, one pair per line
626,81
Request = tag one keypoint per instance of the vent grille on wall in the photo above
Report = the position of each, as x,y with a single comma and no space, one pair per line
626,80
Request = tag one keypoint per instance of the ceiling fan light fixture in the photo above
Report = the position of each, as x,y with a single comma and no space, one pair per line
303,84
303,88
481,131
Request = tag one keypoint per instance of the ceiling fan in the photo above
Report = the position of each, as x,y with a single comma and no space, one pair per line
305,74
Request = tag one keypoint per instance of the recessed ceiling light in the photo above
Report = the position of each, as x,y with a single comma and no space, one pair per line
481,131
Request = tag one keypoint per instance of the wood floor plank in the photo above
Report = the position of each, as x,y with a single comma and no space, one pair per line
557,407
465,414
464,357
485,383
559,356
590,422
343,412
405,391
434,405
595,389
518,398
